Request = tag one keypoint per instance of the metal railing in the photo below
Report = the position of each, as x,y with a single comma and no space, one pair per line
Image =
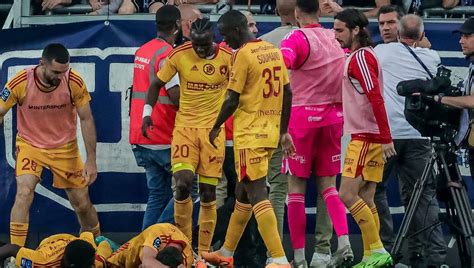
20,14
462,11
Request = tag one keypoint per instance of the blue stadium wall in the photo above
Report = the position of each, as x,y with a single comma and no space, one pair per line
103,54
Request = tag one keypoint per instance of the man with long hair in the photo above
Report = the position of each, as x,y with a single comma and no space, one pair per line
365,119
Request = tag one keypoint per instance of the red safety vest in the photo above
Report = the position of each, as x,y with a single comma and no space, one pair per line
146,65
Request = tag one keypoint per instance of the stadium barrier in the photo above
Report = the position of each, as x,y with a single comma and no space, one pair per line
102,52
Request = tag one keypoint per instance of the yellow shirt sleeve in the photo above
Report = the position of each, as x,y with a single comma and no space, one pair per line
79,94
168,70
27,257
14,91
152,241
239,72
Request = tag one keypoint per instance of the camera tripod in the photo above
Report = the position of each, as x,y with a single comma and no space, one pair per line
450,190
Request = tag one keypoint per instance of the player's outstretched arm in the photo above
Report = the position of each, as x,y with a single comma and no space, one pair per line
286,141
90,141
228,108
150,101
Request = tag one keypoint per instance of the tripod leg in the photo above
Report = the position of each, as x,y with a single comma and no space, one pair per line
411,209
458,210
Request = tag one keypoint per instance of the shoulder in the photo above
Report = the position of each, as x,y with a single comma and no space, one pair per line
75,79
184,48
17,80
429,54
225,51
366,55
238,54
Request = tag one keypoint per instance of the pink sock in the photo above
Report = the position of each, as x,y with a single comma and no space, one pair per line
336,210
297,220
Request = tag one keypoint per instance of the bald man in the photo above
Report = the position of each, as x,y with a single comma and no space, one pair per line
250,21
189,14
413,150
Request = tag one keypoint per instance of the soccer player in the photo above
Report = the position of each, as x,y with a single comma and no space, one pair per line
160,245
260,95
316,61
61,250
366,120
50,96
202,67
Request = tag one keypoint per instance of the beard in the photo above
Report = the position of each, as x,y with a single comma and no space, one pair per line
53,81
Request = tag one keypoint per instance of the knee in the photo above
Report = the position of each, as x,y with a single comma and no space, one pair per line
346,196
183,187
24,194
82,207
257,196
208,193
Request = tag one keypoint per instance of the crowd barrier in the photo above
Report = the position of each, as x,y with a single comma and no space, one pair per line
102,52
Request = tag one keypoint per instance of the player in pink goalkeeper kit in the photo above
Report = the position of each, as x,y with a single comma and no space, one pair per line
316,61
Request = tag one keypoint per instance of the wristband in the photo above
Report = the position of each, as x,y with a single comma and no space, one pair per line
147,109
440,96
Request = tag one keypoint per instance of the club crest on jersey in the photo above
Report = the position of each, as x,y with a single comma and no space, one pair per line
26,263
209,69
157,243
223,69
5,94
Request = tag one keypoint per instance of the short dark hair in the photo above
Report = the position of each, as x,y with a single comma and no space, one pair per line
55,52
166,18
170,256
233,19
202,26
390,9
78,254
308,6
353,18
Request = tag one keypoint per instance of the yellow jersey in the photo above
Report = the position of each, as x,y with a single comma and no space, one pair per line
203,84
157,237
50,252
258,74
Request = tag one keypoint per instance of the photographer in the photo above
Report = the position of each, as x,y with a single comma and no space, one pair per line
402,61
467,101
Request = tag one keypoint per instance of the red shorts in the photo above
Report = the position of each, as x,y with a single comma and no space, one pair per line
318,151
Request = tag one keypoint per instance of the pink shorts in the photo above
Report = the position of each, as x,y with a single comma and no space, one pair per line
318,151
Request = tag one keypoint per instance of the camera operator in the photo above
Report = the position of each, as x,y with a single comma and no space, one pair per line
467,101
413,151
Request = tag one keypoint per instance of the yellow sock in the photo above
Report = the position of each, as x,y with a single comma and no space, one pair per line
18,232
238,220
366,249
183,213
364,218
267,226
207,224
375,213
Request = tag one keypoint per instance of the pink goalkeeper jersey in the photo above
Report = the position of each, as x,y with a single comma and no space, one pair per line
316,61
